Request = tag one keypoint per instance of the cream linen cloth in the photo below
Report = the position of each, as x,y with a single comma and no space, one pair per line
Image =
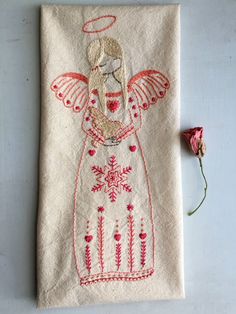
110,215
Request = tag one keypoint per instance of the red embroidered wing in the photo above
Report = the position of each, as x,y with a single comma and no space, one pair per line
146,87
72,89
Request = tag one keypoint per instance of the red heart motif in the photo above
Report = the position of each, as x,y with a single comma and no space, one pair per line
143,235
101,209
88,238
117,236
113,105
92,152
132,148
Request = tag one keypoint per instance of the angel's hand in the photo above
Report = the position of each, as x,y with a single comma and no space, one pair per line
112,141
125,132
97,138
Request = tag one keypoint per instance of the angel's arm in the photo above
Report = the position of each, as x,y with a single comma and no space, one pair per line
134,125
89,127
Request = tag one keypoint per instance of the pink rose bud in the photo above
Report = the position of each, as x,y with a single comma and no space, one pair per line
194,138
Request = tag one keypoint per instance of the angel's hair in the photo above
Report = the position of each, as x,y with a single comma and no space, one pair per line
95,53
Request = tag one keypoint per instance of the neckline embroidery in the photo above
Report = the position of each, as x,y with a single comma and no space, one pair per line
109,94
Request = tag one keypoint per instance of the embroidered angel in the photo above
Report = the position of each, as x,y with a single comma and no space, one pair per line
113,213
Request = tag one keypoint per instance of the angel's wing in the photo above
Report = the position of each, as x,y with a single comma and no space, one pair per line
146,87
72,89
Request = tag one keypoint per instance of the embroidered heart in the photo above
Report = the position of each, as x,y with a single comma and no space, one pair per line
130,207
101,209
143,235
113,105
88,238
92,152
117,236
132,148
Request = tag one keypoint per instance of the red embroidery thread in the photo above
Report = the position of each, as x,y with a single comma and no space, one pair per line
143,236
125,132
114,276
146,87
101,242
98,172
130,207
112,178
71,88
143,253
110,19
88,238
92,152
118,255
117,237
111,276
133,148
113,105
88,260
96,136
131,242
101,209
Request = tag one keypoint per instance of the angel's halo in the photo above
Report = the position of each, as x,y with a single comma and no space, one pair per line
99,24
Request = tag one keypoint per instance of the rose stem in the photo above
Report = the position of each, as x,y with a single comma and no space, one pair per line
205,188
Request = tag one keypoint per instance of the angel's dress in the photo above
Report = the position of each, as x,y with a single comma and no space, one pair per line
113,231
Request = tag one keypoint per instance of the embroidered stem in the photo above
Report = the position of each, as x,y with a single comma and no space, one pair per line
205,189
113,195
118,255
131,242
117,237
88,260
143,253
143,236
101,242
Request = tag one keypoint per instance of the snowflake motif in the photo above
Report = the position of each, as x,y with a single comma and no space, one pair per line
112,179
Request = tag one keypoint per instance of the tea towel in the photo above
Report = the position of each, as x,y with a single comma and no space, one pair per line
110,216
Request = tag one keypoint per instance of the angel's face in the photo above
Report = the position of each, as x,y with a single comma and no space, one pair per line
109,64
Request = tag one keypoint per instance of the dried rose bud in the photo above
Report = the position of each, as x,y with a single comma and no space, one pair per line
194,138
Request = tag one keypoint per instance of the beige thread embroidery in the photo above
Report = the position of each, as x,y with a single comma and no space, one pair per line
95,53
108,128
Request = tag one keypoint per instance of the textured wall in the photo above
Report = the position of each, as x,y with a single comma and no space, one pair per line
208,65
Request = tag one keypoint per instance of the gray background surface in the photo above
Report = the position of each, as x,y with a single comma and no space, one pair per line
208,62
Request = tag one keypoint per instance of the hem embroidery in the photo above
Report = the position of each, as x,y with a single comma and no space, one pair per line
116,276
